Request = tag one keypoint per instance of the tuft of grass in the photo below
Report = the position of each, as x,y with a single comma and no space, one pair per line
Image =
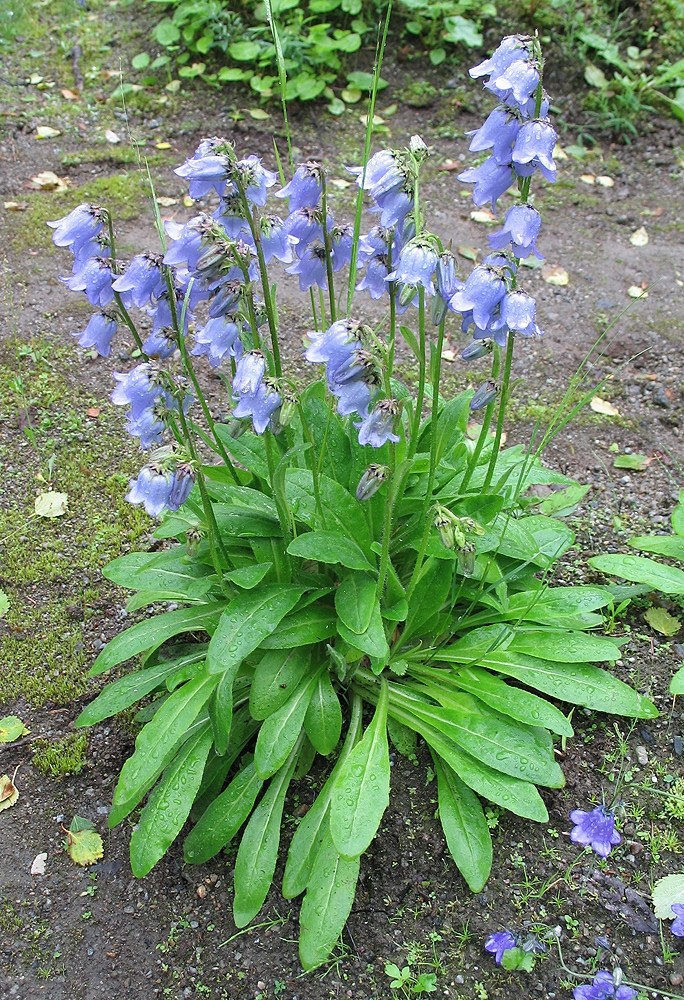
62,757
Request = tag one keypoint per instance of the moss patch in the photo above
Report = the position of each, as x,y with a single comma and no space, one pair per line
56,759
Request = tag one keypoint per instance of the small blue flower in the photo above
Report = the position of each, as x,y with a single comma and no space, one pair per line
491,180
677,927
388,179
342,239
260,406
187,246
498,133
275,240
485,395
80,226
230,215
518,310
310,268
142,279
520,228
304,190
483,291
416,265
256,179
371,481
95,278
152,488
533,149
376,429
182,481
205,174
98,334
216,339
498,943
596,829
306,226
249,372
136,389
374,280
516,84
510,49
227,298
445,272
148,425
603,988
160,345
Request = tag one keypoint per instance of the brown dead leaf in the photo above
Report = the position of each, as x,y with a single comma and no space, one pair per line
555,275
47,180
483,215
69,95
450,165
16,206
599,405
9,792
93,411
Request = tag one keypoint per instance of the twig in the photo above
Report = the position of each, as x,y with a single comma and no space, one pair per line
76,54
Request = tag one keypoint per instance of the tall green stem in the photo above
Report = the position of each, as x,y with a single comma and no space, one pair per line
266,289
503,400
327,243
117,298
422,370
215,540
484,430
280,500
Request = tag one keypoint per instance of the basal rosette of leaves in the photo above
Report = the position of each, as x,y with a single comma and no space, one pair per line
354,563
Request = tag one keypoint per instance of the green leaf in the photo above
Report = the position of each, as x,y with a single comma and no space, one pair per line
361,791
4,603
280,731
221,711
520,705
249,577
666,891
437,56
677,682
276,676
156,742
222,819
639,569
460,29
11,728
329,547
140,61
258,851
248,449
150,634
355,601
678,518
342,512
166,32
84,844
663,622
323,719
568,607
662,545
231,74
465,827
364,81
564,501
244,51
636,462
429,594
314,623
403,738
373,641
127,690
247,621
169,805
565,647
595,76
327,904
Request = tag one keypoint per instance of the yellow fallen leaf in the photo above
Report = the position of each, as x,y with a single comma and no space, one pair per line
166,202
11,728
483,215
377,120
162,145
588,179
16,206
84,844
69,95
9,792
188,201
639,237
448,354
599,405
605,181
555,275
339,183
662,621
47,180
173,86
35,78
559,153
51,504
111,136
259,114
47,132
637,292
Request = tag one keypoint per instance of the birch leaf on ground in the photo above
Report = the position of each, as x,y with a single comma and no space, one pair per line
634,461
38,865
599,405
51,504
639,237
636,292
9,792
604,181
84,844
47,132
11,728
662,621
555,276
666,891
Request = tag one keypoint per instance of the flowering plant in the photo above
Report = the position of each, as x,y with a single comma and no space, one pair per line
351,546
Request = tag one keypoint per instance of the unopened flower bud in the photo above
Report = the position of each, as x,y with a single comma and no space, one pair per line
484,395
407,294
193,537
466,559
444,522
477,349
418,147
438,309
288,407
371,481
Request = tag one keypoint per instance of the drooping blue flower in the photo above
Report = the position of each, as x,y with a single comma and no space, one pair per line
98,333
99,247
187,246
334,346
142,279
260,406
160,345
95,278
152,488
483,291
353,394
342,239
377,427
226,299
275,240
388,179
677,927
596,829
149,424
521,228
304,190
207,173
603,988
491,180
498,943
80,226
256,179
230,215
483,396
248,374
533,149
516,84
447,282
216,339
310,267
416,265
371,481
374,280
498,133
136,389
511,48
518,311
477,349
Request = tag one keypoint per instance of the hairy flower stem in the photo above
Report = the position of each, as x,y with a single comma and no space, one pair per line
392,317
117,298
484,431
214,537
268,301
280,500
503,400
422,369
327,243
314,463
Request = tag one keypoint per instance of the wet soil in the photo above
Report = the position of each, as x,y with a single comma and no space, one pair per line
98,932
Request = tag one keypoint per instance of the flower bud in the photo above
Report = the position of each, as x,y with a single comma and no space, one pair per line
466,559
418,147
485,395
477,349
288,407
438,309
371,481
407,294
193,537
444,522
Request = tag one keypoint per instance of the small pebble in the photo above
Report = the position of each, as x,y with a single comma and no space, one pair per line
201,891
459,980
676,979
642,755
678,745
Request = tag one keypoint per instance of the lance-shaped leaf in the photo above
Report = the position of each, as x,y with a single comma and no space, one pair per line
280,731
248,619
361,792
169,805
465,827
276,676
329,547
311,624
223,818
170,570
355,600
639,569
327,904
258,851
323,719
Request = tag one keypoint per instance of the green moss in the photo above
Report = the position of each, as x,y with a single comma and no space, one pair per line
112,154
67,756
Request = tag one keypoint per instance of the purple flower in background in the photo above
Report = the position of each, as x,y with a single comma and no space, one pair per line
136,389
306,225
248,374
520,228
533,149
182,481
216,339
603,988
80,226
511,48
518,310
98,333
152,488
482,292
275,240
491,180
416,265
206,173
160,345
187,246
498,134
304,190
596,829
376,428
516,84
142,279
485,395
95,279
498,943
256,179
260,406
374,280
310,267
342,240
230,215
677,927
